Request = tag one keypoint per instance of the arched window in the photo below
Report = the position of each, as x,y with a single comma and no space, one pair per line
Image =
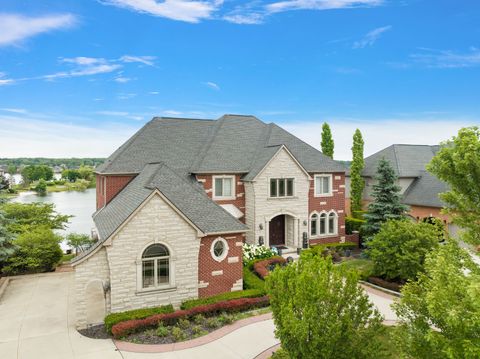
155,266
314,225
332,223
323,224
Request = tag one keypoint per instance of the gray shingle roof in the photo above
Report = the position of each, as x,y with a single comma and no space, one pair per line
411,161
183,192
231,144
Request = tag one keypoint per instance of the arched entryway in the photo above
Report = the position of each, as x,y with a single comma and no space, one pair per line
283,231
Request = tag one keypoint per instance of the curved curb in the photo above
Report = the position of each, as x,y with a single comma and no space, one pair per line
268,352
383,292
217,334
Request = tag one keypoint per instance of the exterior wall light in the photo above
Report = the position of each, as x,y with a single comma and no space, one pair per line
261,241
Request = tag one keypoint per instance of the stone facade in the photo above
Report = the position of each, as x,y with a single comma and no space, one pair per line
261,208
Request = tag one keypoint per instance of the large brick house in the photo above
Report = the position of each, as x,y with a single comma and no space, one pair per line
176,202
420,190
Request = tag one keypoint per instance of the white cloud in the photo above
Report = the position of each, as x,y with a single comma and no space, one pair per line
126,96
371,37
320,4
14,110
122,79
172,113
447,58
154,93
146,60
213,85
31,137
183,10
379,134
15,28
121,114
4,80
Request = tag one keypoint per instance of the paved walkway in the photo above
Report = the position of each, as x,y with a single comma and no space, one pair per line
37,321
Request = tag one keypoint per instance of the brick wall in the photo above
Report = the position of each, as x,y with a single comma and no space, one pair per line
109,186
420,212
220,277
239,201
335,202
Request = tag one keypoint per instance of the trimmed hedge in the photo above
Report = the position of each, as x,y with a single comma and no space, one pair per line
261,267
131,326
250,293
353,224
114,318
252,281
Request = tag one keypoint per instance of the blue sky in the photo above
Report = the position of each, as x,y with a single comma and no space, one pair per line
79,77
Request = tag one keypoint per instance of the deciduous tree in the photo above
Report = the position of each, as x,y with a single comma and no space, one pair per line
458,164
327,143
320,311
357,184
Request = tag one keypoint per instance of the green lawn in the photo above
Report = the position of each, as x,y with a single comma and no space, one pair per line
363,266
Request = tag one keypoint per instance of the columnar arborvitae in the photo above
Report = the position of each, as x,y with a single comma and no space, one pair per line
327,140
357,184
386,199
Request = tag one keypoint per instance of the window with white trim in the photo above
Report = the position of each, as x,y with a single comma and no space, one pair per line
323,224
219,249
224,187
281,187
155,266
323,185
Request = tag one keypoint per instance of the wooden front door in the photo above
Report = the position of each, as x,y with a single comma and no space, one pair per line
277,231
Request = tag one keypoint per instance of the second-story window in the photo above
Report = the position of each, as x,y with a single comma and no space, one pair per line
323,185
281,187
223,187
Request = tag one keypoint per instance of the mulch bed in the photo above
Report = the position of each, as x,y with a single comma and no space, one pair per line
150,337
96,332
395,286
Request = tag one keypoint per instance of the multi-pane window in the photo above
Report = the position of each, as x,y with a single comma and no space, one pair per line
155,266
224,187
323,185
219,249
323,224
281,187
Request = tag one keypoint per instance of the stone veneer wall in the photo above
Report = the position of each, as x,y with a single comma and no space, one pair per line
220,277
281,166
92,269
155,222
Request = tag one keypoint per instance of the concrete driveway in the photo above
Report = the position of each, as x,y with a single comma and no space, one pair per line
37,321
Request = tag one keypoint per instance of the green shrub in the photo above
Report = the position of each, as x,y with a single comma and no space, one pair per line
364,267
183,323
226,318
114,318
213,322
399,249
250,293
36,251
251,280
178,334
198,331
199,319
353,224
162,331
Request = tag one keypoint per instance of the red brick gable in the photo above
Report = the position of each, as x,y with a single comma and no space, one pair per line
109,186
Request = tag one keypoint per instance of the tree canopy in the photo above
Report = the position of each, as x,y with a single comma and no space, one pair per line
357,184
386,199
439,313
458,164
320,311
6,237
37,172
327,143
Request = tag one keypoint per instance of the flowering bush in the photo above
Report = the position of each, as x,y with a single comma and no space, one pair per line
235,305
252,252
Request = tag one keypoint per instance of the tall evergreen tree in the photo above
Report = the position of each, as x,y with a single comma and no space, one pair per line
386,199
357,184
327,140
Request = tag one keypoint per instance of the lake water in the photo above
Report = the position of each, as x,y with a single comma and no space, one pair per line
79,204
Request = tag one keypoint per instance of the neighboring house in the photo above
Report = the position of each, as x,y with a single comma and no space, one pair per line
176,202
420,190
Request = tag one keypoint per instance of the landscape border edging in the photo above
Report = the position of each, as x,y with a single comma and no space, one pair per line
385,290
172,347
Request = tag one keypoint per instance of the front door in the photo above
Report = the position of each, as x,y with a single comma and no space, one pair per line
277,231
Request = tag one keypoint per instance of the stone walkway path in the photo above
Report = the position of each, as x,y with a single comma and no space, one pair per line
37,320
